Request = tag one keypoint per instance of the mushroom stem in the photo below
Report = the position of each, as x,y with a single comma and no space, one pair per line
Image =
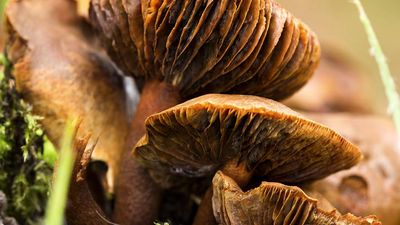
239,173
82,208
137,196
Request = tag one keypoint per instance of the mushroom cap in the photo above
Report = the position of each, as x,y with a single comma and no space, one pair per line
198,137
372,186
272,203
63,74
226,46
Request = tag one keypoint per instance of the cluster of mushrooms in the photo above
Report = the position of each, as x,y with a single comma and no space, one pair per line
205,124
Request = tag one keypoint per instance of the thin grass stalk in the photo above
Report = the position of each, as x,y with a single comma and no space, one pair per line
58,198
386,76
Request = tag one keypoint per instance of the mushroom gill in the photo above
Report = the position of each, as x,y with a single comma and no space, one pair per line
273,203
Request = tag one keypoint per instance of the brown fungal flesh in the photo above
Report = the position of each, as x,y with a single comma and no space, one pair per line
244,136
80,207
136,180
186,47
372,186
272,203
186,44
64,74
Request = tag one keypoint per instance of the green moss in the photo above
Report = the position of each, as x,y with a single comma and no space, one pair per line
25,171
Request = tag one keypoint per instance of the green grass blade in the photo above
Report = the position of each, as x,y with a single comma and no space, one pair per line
49,152
58,198
2,7
3,62
386,76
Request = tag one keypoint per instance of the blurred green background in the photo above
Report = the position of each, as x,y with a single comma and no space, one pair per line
337,25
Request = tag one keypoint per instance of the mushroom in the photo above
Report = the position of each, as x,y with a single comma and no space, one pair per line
81,209
373,186
337,86
245,137
65,74
178,49
62,73
272,203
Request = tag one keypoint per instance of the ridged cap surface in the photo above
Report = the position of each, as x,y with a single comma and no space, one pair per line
196,138
272,203
226,46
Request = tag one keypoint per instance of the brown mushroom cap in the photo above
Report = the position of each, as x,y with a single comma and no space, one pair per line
231,46
196,138
63,74
372,186
272,203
